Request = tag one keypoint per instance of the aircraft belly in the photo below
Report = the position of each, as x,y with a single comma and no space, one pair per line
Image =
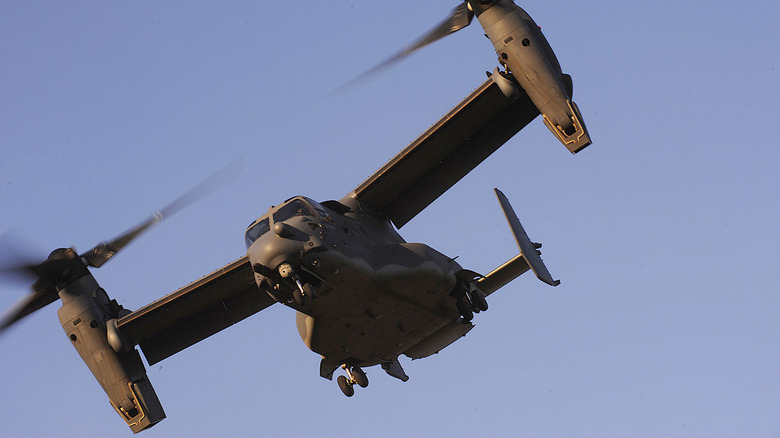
372,309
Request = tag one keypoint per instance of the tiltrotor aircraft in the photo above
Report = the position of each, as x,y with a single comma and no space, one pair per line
363,296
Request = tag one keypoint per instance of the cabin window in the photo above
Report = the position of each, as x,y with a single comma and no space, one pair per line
255,231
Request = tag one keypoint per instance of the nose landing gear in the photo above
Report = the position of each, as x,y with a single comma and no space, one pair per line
355,375
304,290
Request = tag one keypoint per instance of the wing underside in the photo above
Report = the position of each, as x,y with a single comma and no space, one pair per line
195,312
445,153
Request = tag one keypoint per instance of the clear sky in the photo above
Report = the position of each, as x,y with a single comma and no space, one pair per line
663,232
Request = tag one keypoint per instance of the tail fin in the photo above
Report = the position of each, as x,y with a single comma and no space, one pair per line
528,250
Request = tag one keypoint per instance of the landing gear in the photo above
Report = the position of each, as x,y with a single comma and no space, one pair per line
298,297
309,291
346,386
471,301
304,291
355,375
479,301
464,307
358,376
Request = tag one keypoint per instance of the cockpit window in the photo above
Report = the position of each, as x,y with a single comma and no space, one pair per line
255,231
320,209
296,207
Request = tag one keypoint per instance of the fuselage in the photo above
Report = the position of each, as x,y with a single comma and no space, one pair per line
376,297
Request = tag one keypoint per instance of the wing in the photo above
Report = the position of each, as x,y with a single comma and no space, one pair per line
444,154
195,312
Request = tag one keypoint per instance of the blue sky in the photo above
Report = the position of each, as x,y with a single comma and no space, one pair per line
663,232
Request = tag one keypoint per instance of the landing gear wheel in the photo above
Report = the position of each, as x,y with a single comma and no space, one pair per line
479,301
464,308
359,376
298,297
310,291
345,386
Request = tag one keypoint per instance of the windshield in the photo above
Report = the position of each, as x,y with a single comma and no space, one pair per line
320,209
255,231
296,207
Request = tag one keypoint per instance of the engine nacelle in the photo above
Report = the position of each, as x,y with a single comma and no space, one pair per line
84,315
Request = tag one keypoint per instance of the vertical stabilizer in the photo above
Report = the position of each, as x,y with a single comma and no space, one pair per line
528,250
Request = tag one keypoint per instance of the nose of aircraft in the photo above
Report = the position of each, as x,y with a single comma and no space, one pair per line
286,243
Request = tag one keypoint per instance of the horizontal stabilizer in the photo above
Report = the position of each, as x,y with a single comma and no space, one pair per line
527,249
502,275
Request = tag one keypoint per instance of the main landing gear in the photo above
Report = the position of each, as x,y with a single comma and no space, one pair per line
471,301
355,375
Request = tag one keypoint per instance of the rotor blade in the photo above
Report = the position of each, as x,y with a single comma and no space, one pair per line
22,272
17,262
25,306
101,253
44,290
459,18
